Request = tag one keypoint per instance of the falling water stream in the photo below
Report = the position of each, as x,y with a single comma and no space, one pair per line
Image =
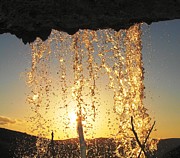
94,76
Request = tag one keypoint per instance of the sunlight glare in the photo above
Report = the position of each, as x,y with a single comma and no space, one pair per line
73,117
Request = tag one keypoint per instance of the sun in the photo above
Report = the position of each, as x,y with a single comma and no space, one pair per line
72,117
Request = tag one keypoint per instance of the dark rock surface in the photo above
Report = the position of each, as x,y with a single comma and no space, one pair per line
28,19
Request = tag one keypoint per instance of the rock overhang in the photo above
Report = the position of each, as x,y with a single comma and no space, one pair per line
36,18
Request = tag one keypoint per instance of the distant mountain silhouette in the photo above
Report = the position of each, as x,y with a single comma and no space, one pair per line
15,144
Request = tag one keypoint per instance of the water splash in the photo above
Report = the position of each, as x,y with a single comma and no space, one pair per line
93,74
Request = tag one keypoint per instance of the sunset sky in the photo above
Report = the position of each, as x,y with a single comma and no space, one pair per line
161,57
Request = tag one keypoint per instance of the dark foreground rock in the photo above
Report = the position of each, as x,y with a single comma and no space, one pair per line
175,153
28,19
16,144
169,148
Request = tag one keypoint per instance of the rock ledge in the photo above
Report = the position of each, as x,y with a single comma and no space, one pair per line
28,19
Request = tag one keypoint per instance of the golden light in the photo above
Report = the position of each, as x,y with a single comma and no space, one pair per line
73,117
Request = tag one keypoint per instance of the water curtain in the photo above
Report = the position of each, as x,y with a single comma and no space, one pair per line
91,75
